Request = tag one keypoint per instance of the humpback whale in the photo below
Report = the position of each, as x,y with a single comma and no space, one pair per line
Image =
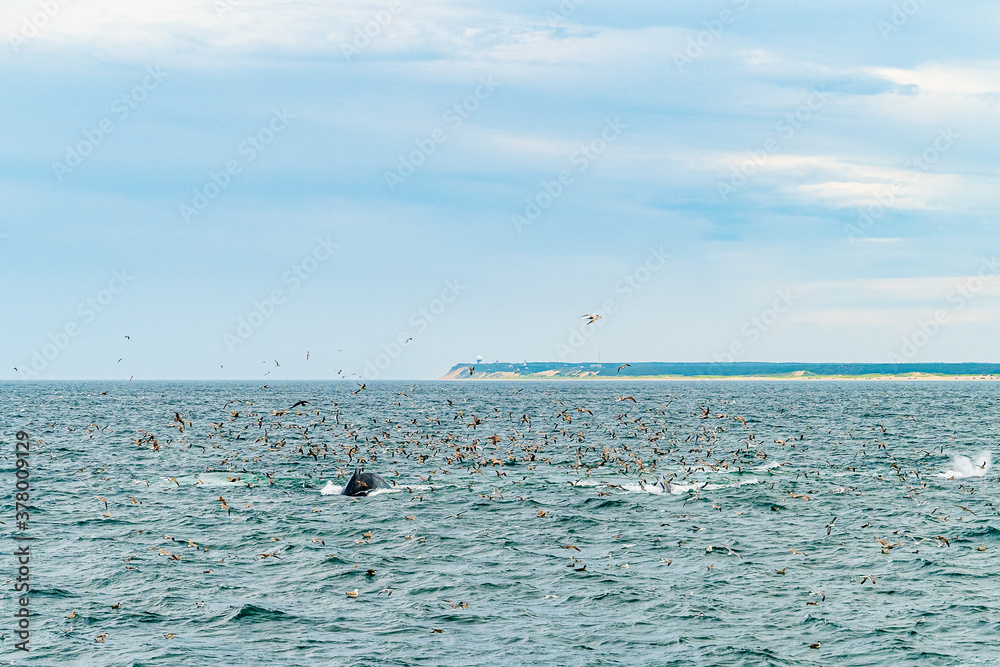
363,483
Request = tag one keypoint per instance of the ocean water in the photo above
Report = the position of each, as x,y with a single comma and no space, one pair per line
524,526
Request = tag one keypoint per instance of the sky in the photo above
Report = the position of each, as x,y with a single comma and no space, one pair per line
240,189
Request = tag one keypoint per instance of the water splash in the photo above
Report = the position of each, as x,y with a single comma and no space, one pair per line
331,489
675,489
963,467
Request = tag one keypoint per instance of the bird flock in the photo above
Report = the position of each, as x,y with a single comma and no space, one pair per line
731,491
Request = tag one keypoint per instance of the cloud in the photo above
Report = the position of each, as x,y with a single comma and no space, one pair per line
367,81
968,80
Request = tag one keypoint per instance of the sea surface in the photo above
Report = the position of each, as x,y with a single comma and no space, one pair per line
804,523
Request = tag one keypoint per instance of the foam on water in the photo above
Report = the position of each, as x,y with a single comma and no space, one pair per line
207,479
677,489
963,467
331,489
639,487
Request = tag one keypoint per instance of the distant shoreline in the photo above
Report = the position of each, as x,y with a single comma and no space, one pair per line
739,378
730,371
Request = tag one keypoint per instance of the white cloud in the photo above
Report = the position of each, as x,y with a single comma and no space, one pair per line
124,29
945,79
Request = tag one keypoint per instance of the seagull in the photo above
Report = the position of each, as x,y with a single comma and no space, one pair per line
732,553
591,317
624,366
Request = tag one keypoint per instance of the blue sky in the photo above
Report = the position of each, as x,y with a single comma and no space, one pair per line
470,180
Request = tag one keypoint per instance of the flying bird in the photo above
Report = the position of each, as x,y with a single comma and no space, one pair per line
180,420
623,366
591,317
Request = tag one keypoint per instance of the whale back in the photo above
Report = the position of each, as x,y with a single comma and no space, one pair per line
363,483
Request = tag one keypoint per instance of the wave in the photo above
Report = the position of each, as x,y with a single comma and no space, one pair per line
252,612
963,467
